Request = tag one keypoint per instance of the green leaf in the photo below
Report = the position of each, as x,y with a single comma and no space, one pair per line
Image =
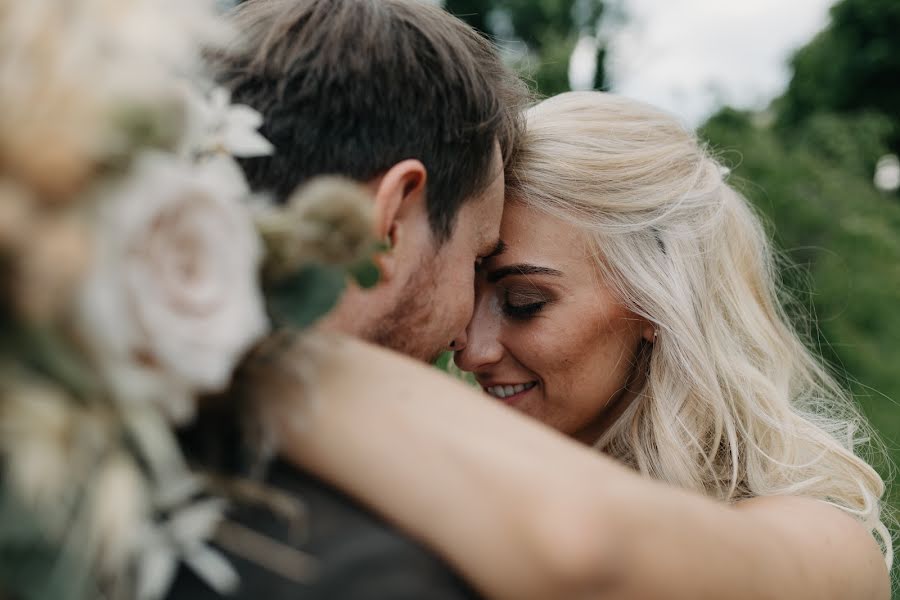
31,567
443,361
301,299
44,351
365,273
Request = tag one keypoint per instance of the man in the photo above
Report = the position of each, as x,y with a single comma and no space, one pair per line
402,96
405,98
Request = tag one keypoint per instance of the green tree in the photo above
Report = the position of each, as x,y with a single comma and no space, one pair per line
811,176
841,238
549,29
851,66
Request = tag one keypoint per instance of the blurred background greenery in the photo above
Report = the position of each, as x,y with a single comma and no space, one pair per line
807,162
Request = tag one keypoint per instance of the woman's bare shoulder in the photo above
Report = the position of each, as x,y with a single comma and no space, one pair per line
828,539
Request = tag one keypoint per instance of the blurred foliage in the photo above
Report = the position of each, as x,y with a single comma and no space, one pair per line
549,30
27,551
840,234
807,165
853,65
305,296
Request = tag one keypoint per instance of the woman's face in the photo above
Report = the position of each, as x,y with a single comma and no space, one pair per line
547,337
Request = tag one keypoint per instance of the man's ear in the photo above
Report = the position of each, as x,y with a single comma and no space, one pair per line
401,188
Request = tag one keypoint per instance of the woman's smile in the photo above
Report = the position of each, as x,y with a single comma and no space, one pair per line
510,393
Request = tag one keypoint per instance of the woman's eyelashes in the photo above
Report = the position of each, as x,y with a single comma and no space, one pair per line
523,303
523,312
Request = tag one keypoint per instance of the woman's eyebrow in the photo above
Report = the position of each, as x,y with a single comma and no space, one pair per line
496,275
499,249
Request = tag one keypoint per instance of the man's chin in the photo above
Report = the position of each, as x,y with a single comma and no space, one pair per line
420,353
406,342
412,326
434,357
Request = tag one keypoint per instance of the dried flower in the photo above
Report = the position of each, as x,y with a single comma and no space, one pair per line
117,514
68,68
122,209
184,536
50,268
328,221
44,254
172,300
219,126
17,215
47,444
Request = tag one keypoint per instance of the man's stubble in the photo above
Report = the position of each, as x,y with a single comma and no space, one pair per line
408,326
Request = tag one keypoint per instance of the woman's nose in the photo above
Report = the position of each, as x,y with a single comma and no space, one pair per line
478,346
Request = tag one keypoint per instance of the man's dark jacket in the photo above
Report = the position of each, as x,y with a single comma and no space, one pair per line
358,556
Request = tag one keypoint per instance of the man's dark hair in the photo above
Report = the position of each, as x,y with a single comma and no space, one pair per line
352,87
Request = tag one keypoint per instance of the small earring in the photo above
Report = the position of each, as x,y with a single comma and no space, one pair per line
655,334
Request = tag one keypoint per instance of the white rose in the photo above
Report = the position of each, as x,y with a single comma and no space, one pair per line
172,300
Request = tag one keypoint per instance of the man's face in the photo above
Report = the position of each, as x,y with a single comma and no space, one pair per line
437,301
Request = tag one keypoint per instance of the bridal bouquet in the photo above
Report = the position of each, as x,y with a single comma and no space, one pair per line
136,270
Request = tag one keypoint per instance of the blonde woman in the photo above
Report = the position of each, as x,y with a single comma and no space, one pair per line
706,452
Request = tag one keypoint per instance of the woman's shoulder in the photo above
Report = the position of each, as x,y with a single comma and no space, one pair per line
842,543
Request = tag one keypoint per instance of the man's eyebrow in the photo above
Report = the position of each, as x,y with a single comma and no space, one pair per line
496,275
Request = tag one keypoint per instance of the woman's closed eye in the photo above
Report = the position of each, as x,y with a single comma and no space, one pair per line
522,303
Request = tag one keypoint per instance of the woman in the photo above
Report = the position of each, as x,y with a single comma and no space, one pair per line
634,310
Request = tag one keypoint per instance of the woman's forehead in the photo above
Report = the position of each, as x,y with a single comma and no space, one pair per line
531,236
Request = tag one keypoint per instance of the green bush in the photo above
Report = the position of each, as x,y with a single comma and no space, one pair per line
841,236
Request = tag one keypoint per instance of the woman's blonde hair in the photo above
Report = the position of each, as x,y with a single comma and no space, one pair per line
734,404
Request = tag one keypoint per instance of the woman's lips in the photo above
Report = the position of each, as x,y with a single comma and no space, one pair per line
510,393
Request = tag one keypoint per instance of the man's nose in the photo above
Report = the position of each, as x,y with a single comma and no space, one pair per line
459,342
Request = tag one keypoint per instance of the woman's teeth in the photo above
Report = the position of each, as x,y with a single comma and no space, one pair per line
505,391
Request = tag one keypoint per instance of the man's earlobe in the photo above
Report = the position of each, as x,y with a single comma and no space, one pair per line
385,259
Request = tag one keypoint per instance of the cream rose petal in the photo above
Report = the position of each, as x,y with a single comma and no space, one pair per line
174,291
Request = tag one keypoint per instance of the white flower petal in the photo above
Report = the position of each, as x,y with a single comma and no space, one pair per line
241,115
156,569
214,569
220,99
197,521
247,144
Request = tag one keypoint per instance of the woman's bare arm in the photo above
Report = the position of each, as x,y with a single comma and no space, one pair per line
524,512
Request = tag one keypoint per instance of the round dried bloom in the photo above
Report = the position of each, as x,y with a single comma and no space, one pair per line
36,425
47,443
328,221
49,119
69,70
44,254
117,512
17,215
172,299
49,268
